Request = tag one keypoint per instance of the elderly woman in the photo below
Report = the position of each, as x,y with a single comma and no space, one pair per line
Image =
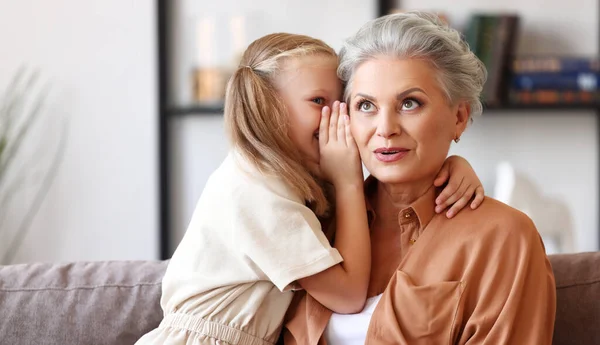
482,277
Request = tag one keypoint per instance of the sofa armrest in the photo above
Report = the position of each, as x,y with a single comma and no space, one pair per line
577,298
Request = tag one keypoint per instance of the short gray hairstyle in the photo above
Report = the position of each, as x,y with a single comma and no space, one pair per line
418,35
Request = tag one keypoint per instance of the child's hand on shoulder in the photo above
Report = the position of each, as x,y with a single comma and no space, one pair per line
462,186
339,158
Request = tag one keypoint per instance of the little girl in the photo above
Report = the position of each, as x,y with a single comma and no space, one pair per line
256,233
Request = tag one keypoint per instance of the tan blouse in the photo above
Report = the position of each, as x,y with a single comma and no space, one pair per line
481,277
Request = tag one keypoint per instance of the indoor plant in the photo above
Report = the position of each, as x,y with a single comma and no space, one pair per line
24,180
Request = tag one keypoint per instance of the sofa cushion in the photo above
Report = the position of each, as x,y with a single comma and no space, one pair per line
96,303
577,298
114,303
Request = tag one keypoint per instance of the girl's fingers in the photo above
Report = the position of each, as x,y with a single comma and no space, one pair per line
450,199
342,123
324,126
460,204
333,121
349,138
479,196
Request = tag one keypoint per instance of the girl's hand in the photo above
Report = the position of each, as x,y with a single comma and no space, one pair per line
462,185
339,158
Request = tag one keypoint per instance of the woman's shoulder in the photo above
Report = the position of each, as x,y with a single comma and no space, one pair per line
498,220
491,207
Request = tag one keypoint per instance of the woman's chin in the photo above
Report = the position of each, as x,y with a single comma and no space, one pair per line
390,175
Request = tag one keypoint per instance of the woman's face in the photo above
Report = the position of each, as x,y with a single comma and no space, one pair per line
401,120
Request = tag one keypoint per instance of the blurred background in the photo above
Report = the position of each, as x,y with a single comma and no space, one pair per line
111,113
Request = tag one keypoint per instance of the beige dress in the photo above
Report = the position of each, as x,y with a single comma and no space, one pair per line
230,280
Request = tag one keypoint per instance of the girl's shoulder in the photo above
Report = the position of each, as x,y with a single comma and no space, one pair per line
237,178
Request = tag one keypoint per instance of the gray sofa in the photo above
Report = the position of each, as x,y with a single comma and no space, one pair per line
114,303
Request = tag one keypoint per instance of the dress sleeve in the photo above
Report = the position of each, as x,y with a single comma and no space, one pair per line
280,236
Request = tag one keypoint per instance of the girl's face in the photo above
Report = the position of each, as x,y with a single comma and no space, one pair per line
306,84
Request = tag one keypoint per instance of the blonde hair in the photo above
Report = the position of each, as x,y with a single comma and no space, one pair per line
256,120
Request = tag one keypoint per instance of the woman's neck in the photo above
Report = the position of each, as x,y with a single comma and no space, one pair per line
391,197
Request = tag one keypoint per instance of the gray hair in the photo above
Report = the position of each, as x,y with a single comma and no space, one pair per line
418,35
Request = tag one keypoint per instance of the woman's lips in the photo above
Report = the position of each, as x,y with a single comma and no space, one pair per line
389,155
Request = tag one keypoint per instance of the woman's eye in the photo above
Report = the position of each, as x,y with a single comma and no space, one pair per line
410,104
365,106
319,100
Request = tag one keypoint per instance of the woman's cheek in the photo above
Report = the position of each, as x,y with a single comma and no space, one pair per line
359,128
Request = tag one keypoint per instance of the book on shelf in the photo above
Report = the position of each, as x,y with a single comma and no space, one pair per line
528,80
553,97
560,81
555,64
555,80
492,37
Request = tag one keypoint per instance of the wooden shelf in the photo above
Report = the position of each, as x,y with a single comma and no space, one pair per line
542,107
197,109
217,108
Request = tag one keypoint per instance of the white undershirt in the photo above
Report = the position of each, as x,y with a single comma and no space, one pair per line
351,329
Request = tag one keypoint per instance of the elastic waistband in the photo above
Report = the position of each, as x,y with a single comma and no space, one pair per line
211,329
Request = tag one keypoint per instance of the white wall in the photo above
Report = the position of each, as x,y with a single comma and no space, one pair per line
558,149
100,57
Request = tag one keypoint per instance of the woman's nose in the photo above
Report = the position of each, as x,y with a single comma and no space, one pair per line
388,125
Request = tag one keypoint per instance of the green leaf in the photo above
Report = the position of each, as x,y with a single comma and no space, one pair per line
29,118
3,144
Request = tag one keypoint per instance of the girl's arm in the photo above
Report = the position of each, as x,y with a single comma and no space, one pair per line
343,287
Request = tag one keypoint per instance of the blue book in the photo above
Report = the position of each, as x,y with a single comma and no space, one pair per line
574,81
537,64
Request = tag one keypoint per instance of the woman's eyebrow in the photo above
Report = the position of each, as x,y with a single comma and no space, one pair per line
403,94
364,95
399,97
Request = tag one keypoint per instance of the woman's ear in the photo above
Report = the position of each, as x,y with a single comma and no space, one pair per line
463,114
